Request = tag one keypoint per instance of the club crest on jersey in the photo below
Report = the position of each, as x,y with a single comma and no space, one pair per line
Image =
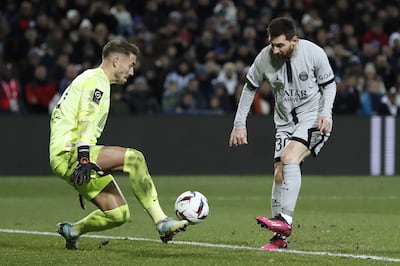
303,76
97,95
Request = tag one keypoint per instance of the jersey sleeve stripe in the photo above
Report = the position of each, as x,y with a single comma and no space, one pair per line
326,83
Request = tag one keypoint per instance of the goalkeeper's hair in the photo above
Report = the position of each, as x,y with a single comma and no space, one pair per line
119,46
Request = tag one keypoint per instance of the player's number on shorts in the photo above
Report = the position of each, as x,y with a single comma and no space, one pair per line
280,142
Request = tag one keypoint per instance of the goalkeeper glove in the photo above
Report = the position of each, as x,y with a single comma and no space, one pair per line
84,168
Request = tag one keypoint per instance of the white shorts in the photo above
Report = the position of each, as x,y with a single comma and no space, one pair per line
310,136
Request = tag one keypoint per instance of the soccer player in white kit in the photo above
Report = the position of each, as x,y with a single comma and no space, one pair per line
303,83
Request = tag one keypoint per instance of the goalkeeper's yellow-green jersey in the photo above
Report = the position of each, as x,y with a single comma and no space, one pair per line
81,113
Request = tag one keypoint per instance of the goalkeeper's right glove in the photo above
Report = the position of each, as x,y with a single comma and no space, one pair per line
84,168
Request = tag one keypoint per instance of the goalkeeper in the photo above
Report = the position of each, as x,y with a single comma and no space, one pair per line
76,123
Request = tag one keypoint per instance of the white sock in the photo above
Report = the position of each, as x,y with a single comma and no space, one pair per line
290,188
276,199
289,219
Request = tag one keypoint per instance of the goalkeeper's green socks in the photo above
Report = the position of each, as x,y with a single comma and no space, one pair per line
142,184
99,220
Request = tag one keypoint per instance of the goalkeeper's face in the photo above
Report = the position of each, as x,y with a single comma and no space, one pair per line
124,67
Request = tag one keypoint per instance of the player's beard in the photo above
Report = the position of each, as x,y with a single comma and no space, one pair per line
289,52
121,78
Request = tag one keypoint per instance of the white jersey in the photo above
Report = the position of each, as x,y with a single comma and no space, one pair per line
297,90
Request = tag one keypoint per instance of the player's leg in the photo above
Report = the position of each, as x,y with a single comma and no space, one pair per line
304,142
293,154
276,195
133,162
113,211
287,177
145,191
105,194
282,138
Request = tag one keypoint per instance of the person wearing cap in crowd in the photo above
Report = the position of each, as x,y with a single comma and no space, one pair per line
388,106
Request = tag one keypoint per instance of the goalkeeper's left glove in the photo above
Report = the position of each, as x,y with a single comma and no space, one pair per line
84,168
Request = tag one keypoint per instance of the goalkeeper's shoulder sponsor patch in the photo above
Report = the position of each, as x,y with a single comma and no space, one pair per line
97,95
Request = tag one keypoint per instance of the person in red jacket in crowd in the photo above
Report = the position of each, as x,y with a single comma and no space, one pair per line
10,91
375,34
39,91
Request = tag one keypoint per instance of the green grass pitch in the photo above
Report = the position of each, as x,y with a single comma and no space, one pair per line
346,220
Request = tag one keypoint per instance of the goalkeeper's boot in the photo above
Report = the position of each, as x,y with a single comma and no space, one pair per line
168,227
277,242
64,229
278,224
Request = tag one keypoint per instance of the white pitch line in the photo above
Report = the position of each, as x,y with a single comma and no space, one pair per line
203,244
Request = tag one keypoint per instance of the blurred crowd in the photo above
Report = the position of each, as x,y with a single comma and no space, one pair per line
194,54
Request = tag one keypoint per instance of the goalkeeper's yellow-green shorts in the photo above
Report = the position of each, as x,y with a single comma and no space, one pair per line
63,165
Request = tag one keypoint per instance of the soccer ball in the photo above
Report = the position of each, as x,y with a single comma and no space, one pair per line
191,206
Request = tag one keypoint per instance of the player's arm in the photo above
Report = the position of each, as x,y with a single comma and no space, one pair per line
254,77
88,109
239,131
327,84
325,119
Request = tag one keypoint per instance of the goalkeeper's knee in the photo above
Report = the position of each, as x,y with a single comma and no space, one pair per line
135,162
119,215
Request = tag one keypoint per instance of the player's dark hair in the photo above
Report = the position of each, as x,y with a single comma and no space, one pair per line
282,25
120,46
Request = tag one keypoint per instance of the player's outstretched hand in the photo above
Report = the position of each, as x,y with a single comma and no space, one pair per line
238,137
324,124
84,167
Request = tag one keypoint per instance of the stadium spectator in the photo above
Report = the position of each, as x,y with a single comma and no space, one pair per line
228,76
23,19
118,102
347,96
226,12
371,98
86,48
311,21
155,73
264,100
73,21
58,67
39,91
204,77
101,34
388,105
4,31
153,17
180,75
99,12
141,99
199,99
123,17
187,104
394,42
375,34
200,31
10,90
55,40
70,72
204,46
385,65
171,97
220,101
